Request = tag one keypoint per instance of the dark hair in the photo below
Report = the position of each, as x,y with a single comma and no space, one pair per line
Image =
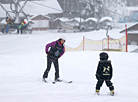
61,39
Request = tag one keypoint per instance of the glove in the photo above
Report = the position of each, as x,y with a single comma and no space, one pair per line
47,53
97,76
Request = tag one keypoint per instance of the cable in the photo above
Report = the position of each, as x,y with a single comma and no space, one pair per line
121,15
46,6
89,2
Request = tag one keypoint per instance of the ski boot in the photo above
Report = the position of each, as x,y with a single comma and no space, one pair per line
45,80
58,80
97,92
112,92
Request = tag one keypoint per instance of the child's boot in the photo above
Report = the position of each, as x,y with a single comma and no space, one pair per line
97,92
112,93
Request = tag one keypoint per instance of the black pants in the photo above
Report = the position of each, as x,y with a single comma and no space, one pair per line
49,62
21,29
108,83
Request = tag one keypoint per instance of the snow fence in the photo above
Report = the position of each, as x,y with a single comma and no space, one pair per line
106,44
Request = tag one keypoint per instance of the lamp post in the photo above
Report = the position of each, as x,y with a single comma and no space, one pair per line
107,28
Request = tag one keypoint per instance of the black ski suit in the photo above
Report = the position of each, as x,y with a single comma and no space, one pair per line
104,73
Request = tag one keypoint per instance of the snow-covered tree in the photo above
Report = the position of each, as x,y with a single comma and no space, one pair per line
116,9
93,8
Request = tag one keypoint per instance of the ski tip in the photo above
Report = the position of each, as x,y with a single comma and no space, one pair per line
70,82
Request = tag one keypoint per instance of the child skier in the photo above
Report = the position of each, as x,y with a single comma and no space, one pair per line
22,26
104,73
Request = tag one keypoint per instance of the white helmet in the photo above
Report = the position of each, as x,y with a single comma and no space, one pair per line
63,38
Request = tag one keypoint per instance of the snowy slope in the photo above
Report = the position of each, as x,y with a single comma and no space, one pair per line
23,61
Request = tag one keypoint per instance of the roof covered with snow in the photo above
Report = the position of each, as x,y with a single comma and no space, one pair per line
132,27
63,19
35,7
93,19
38,15
78,19
106,18
42,7
66,19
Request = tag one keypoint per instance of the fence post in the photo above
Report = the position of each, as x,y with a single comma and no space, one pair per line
83,42
108,42
126,38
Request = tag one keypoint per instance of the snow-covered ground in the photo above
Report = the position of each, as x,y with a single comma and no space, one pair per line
23,61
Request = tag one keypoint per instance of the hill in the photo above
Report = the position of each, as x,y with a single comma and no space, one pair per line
23,61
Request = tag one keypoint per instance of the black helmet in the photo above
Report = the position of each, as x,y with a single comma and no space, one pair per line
103,56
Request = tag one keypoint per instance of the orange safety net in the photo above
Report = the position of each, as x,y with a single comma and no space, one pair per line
100,45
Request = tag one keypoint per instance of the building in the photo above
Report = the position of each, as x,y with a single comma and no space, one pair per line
41,22
91,23
132,33
104,21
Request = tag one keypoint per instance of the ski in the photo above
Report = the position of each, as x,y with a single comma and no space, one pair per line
67,81
63,81
54,82
109,94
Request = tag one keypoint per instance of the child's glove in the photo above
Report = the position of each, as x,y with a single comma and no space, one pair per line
97,76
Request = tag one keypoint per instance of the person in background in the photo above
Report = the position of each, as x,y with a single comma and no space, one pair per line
10,23
54,51
104,73
22,26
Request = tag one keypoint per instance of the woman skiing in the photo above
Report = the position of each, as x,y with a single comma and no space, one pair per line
56,50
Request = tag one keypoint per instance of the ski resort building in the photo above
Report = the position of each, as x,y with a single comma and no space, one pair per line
104,22
41,22
91,23
56,23
132,33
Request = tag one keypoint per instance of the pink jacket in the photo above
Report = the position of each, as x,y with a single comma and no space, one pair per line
52,44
